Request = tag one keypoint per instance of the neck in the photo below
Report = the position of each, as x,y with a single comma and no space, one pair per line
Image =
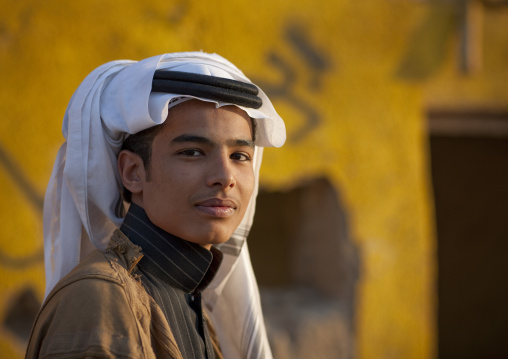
180,263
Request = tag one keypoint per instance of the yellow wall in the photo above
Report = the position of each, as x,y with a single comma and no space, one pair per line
485,89
370,139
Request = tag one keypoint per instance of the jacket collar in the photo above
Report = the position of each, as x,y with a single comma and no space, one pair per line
177,262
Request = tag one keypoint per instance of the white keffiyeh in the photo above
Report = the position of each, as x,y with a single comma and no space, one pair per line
82,206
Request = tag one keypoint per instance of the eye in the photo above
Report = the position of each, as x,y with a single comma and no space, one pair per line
190,153
240,156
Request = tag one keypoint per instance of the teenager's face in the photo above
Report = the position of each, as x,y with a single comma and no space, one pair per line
200,176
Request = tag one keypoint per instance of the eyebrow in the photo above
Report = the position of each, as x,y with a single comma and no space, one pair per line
209,142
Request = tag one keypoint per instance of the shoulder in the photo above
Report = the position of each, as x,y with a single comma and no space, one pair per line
94,281
89,312
100,274
94,266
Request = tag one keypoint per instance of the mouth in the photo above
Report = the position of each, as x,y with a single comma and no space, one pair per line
217,207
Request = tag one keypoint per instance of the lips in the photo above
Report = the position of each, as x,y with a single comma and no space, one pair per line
217,207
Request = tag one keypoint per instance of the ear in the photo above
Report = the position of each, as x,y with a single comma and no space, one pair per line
132,171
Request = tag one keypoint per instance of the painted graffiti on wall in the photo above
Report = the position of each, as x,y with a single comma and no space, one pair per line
23,306
14,171
316,62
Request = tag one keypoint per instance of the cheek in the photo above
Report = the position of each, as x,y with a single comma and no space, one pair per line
247,181
175,188
171,173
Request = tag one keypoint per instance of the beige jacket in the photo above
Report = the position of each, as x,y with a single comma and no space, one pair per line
100,309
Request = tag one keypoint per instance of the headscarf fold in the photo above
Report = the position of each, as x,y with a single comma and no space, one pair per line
83,205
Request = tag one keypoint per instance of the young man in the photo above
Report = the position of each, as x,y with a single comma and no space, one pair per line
181,136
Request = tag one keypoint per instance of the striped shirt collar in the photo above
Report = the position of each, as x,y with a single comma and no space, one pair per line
179,263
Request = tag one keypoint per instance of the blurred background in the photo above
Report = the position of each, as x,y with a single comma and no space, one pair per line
381,228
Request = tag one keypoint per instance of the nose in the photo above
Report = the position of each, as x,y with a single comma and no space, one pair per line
221,173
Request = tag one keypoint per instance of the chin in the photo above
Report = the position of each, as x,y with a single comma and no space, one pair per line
210,237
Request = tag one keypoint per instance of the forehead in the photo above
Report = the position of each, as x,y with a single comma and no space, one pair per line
200,117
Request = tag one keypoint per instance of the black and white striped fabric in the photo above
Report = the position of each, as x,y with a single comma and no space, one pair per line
174,272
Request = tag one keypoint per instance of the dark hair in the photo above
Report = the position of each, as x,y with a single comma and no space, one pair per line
141,144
